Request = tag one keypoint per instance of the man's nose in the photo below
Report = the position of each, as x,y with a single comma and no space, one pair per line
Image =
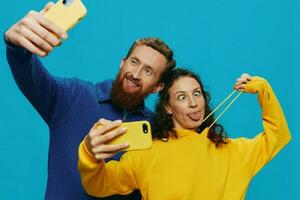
137,73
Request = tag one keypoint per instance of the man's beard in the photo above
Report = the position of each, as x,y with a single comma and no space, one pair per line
125,100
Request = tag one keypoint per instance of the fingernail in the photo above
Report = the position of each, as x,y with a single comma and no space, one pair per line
64,36
117,121
123,129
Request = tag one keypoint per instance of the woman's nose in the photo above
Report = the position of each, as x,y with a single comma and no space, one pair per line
193,102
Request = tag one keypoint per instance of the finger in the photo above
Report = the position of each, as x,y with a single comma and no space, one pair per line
239,87
242,80
47,7
49,25
247,76
42,44
100,130
237,84
31,24
33,21
103,121
99,124
31,47
104,156
102,139
45,34
110,148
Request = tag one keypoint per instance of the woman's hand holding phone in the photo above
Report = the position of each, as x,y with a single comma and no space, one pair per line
97,141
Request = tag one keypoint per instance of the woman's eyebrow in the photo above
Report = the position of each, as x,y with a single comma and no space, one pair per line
184,91
180,92
197,88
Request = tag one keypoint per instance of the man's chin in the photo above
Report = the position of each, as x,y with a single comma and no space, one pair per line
126,97
131,92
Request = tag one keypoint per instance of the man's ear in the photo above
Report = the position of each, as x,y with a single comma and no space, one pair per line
158,87
122,62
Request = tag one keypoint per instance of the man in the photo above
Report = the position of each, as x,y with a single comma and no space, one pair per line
70,107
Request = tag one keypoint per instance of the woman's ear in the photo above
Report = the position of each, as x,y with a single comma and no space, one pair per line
168,110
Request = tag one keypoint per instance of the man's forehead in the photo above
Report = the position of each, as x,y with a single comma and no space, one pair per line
140,49
148,55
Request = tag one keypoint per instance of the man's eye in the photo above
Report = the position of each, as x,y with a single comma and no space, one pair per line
133,62
148,72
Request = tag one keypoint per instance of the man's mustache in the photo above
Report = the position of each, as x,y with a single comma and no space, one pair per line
135,81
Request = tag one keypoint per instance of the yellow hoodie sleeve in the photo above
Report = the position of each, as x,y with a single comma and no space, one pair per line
102,179
256,152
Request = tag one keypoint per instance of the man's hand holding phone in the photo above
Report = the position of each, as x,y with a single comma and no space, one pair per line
36,33
40,32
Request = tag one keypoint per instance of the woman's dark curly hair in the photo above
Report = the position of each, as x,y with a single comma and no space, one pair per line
163,123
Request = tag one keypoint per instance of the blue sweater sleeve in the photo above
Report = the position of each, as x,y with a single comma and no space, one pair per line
51,96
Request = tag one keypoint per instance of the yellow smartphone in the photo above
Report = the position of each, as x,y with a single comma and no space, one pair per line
138,135
66,13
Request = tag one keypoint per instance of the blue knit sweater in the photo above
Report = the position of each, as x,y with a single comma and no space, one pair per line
70,107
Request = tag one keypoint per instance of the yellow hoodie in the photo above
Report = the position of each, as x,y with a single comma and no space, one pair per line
191,167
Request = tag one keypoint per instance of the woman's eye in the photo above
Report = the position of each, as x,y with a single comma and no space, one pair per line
197,93
181,97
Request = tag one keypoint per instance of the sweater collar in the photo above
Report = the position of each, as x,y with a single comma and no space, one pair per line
181,132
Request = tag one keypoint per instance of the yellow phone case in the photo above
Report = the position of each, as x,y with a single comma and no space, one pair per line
138,135
66,15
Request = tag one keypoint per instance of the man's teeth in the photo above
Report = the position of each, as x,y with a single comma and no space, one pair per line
131,83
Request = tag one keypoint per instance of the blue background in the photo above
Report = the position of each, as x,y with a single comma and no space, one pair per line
219,39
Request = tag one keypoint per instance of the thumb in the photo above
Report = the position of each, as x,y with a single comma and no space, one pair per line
47,7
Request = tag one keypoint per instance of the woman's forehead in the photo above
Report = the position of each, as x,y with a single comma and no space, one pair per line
184,83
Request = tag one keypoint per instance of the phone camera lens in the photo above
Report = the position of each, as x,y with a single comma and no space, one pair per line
145,128
67,2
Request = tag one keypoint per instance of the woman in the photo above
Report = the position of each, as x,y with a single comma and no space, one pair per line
188,161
